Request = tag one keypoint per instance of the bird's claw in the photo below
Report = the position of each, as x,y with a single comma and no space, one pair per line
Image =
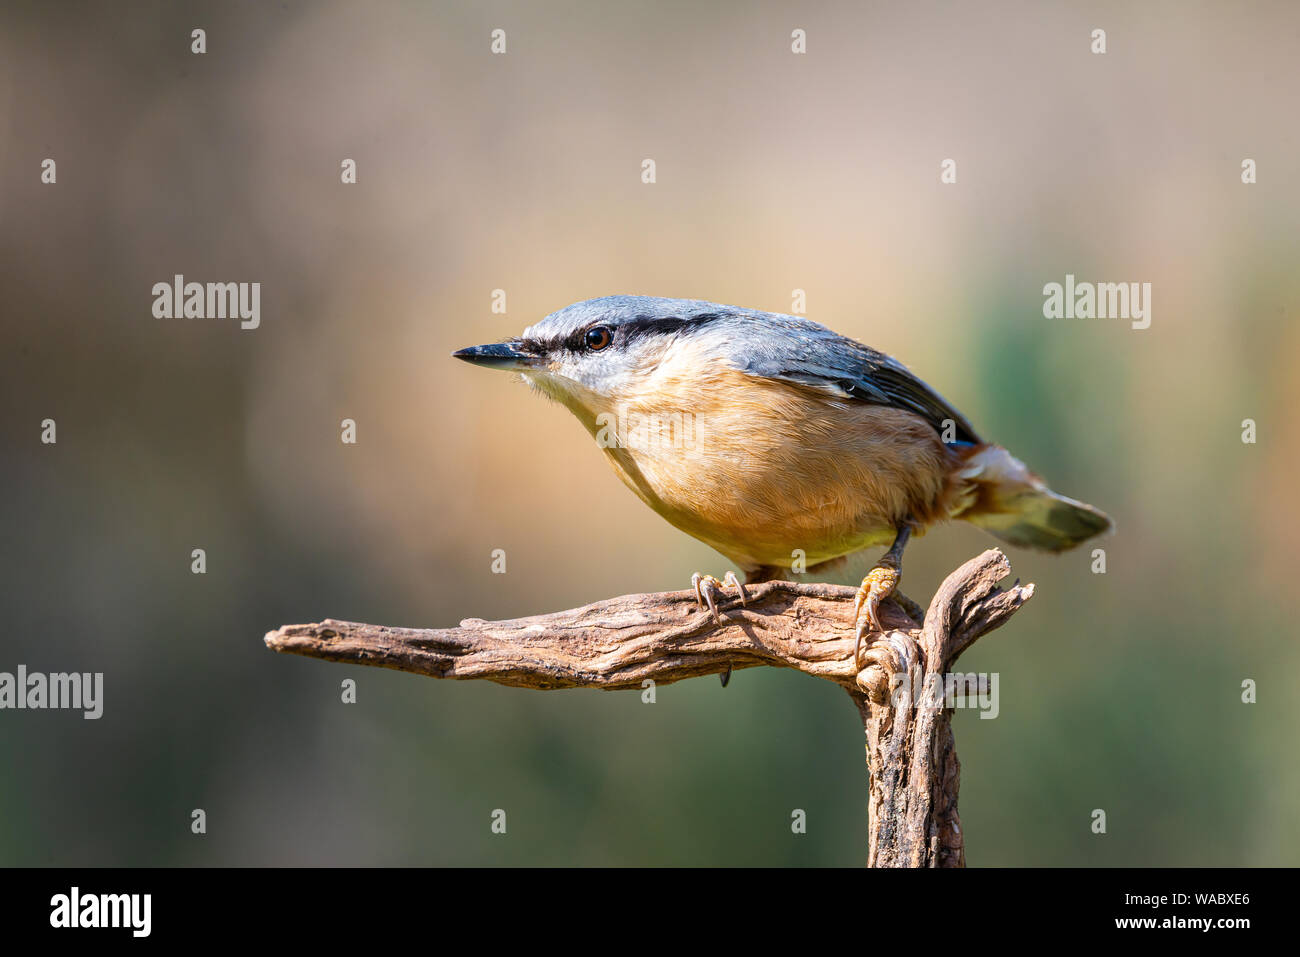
707,589
876,587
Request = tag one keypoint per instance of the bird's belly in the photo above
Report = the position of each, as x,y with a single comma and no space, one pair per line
767,485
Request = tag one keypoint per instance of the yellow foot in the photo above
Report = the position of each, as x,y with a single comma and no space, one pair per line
707,590
876,587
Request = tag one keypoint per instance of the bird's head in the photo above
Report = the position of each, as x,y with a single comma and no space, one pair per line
592,354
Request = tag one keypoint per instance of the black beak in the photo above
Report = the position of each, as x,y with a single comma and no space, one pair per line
499,355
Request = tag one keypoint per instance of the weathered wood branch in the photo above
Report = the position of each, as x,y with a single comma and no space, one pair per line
911,754
620,642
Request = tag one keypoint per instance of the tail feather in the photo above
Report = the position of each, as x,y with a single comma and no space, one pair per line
1011,502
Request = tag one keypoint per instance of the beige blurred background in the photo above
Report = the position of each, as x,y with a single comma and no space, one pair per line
521,172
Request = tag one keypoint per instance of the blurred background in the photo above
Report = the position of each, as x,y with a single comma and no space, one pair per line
522,172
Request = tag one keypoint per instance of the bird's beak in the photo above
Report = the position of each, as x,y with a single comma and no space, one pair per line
498,355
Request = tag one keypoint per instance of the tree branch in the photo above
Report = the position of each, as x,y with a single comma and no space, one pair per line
612,644
620,642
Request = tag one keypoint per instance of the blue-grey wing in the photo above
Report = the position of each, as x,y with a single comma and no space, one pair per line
813,355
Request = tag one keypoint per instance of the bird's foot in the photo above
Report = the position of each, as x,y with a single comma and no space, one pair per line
707,592
876,587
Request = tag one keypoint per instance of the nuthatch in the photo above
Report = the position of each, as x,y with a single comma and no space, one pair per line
770,438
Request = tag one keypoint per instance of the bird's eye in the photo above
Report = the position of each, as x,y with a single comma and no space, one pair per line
598,337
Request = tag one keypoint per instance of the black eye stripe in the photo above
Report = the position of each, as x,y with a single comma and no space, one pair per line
664,325
627,331
574,342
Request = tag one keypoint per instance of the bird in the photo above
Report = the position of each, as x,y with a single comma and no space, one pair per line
779,442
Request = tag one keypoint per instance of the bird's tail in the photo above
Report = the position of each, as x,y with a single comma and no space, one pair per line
1014,504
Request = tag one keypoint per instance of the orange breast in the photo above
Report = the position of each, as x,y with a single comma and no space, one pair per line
758,468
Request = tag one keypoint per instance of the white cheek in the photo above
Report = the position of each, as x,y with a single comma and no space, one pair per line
571,370
594,375
566,383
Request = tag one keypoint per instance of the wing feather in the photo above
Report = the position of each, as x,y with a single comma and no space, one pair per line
825,359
